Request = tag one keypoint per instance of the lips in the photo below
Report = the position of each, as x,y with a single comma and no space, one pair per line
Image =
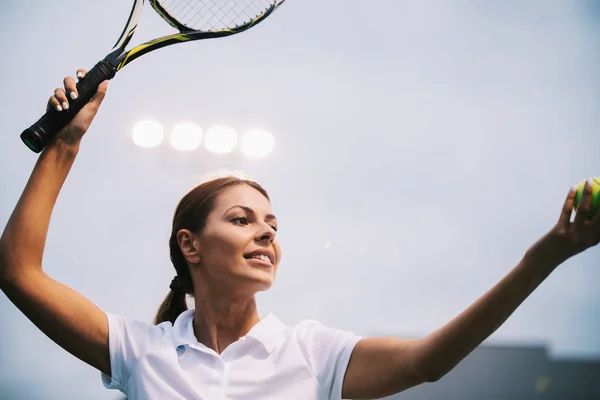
261,253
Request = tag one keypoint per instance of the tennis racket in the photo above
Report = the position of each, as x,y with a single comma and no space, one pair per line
194,19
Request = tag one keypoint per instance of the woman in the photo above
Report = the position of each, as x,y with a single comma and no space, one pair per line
224,250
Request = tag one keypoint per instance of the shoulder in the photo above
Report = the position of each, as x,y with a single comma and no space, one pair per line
130,340
327,352
314,331
134,328
309,334
322,344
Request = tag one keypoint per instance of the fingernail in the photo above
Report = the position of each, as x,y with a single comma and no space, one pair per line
65,105
73,95
58,107
80,75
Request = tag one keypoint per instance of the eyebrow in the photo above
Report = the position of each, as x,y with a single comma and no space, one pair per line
250,211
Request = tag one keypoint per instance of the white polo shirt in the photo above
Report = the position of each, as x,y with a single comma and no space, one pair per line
272,362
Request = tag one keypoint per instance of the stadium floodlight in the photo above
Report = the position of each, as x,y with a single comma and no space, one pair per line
220,139
148,134
186,137
257,143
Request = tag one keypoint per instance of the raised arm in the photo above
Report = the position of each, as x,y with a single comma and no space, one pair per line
380,367
65,316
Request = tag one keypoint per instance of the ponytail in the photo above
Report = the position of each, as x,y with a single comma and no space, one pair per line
172,306
175,302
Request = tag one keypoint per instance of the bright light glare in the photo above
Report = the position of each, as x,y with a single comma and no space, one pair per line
257,143
148,134
186,137
220,139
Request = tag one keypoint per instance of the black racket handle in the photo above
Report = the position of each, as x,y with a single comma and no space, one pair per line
37,136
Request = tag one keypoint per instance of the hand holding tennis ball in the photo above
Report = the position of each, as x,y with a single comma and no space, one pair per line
595,195
571,236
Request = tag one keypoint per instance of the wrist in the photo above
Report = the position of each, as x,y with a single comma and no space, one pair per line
546,260
64,145
60,154
551,250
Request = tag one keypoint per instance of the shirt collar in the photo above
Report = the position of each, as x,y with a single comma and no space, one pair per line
269,331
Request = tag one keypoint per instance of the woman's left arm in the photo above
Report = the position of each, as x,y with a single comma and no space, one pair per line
382,366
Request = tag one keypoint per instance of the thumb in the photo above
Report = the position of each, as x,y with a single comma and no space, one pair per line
99,95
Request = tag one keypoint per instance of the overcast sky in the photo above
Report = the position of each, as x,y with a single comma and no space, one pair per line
421,148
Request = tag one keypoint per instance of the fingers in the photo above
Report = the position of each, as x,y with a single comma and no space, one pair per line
583,209
81,73
70,88
58,100
61,98
567,210
55,100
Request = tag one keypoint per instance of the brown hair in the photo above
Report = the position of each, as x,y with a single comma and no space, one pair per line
191,213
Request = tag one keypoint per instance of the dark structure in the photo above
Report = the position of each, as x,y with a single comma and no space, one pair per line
513,373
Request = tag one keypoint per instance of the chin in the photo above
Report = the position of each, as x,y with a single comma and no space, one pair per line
256,282
264,285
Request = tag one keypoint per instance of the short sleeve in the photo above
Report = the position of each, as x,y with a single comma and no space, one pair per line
328,352
128,341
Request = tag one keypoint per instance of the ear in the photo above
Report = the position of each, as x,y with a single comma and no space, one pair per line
188,243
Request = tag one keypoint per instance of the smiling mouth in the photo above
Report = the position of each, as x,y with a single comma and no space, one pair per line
260,257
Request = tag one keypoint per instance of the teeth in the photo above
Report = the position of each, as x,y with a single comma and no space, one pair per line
262,257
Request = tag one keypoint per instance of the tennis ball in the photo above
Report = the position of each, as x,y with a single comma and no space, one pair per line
595,196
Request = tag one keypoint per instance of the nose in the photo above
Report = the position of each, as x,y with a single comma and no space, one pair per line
265,234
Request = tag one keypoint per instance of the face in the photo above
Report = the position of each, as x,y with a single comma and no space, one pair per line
237,247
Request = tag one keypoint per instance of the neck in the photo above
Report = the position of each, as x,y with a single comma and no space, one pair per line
221,320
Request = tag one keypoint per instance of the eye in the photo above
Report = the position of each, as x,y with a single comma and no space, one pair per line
240,221
274,227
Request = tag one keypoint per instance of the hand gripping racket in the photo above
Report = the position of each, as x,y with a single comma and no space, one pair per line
195,20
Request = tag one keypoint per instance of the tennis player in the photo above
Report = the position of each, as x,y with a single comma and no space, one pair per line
224,250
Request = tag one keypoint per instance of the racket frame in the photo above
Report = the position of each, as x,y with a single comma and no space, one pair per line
37,136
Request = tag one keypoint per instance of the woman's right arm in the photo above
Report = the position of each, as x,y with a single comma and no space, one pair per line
65,316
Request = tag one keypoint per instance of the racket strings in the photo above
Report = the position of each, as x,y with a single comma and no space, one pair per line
215,15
